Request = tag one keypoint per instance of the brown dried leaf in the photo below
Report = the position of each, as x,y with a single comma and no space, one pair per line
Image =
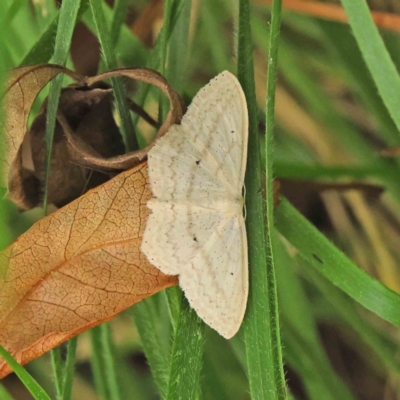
22,88
77,268
89,112
125,161
390,152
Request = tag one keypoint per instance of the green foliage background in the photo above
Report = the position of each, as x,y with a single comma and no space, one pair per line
337,104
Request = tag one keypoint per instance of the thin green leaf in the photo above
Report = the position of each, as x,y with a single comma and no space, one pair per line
66,23
173,9
301,335
318,171
68,372
186,358
4,393
261,319
375,54
34,388
120,9
43,50
109,361
144,315
128,131
56,363
99,372
334,265
276,346
346,310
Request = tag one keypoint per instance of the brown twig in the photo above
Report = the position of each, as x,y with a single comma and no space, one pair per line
333,12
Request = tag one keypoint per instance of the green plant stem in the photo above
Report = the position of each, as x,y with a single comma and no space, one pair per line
144,315
66,24
109,361
260,320
319,252
98,369
270,230
186,358
69,369
56,364
128,131
375,54
34,388
120,10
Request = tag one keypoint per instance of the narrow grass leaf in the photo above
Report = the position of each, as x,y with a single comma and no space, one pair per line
97,363
299,327
107,347
261,341
375,54
130,50
120,9
276,346
34,388
186,358
69,369
172,11
128,131
66,23
346,310
43,50
4,393
144,315
56,363
335,266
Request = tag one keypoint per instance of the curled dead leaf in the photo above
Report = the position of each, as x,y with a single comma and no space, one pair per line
22,88
77,268
87,148
125,161
89,112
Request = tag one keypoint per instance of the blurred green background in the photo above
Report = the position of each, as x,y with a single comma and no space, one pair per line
331,124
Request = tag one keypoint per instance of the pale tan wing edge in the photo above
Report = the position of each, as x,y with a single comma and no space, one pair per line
216,281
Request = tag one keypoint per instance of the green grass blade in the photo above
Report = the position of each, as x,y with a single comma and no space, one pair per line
69,369
4,393
34,388
186,358
334,265
276,346
301,334
43,50
144,315
129,49
128,131
375,54
103,362
120,10
172,10
318,171
261,342
56,363
109,361
345,309
66,24
99,372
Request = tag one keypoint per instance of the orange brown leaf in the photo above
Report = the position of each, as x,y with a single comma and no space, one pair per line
23,86
77,268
